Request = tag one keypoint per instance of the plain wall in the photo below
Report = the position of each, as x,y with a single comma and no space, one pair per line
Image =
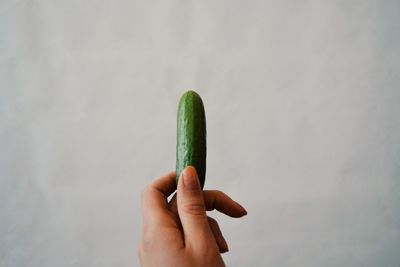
302,102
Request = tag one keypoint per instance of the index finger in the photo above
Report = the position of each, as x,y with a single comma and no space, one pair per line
154,196
215,199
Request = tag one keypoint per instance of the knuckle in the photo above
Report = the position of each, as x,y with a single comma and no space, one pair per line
221,195
213,223
194,208
145,192
212,220
219,192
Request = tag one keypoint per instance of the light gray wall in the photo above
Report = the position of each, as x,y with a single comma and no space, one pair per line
302,101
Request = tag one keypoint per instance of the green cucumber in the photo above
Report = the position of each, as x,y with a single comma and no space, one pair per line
191,135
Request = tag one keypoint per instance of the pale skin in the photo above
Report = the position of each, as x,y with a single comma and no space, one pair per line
179,233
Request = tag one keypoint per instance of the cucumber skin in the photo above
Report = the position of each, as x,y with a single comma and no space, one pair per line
191,145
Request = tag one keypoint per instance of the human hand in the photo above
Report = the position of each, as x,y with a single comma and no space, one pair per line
180,233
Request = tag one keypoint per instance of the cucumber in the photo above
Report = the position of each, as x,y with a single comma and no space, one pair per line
191,147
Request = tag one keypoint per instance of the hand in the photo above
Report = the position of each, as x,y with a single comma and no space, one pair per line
179,233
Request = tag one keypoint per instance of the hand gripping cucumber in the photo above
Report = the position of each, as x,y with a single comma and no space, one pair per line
191,135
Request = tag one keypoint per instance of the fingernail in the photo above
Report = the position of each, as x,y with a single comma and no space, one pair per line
244,211
241,209
190,180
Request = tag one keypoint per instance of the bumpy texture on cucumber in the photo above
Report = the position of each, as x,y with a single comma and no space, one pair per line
191,135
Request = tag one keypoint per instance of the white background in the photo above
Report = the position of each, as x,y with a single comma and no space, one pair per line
302,101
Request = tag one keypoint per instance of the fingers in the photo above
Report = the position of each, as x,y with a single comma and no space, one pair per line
218,200
165,184
219,238
192,212
154,198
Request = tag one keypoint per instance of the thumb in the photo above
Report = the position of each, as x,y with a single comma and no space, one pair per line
192,211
